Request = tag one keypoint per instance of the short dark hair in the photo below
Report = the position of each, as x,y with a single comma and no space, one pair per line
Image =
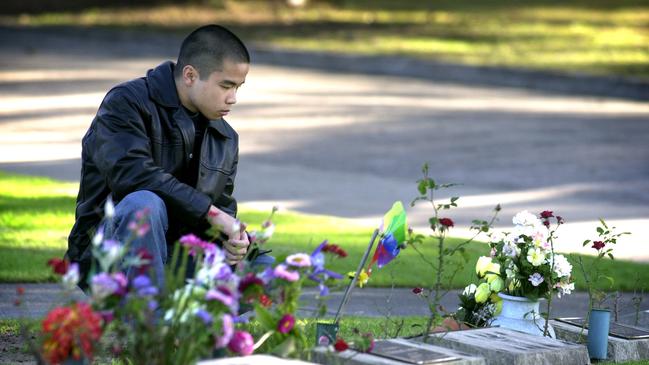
207,47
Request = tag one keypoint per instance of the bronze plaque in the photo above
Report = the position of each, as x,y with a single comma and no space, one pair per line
409,354
625,331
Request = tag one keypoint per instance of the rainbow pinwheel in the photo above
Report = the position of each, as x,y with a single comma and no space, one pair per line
393,233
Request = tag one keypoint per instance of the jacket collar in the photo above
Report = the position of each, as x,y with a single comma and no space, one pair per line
162,90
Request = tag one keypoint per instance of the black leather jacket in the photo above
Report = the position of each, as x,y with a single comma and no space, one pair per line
142,139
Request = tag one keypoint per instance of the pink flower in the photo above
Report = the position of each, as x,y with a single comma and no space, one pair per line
286,324
195,243
241,343
223,295
417,291
281,271
598,245
228,330
446,222
299,260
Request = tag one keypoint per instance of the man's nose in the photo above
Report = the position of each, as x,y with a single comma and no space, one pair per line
231,98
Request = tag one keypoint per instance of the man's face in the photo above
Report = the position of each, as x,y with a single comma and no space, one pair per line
215,96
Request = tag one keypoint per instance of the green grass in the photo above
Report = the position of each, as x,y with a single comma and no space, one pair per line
597,36
36,215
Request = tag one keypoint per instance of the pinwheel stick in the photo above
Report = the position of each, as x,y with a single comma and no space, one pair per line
355,278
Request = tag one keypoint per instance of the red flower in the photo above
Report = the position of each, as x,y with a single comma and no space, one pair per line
546,214
70,332
265,300
334,249
286,324
446,222
546,223
58,266
20,290
242,343
341,345
598,245
559,219
417,291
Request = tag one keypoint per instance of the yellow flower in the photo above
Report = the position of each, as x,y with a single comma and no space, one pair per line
496,284
363,278
536,256
482,293
482,266
498,302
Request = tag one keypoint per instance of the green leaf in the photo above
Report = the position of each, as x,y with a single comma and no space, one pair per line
585,243
611,256
600,230
264,317
431,184
285,348
422,187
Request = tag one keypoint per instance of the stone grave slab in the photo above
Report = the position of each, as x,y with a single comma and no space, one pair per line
397,351
501,346
254,360
619,349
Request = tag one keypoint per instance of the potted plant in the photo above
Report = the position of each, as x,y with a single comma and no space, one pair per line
598,317
524,264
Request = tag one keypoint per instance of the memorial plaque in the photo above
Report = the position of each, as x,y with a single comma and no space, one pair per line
410,354
616,329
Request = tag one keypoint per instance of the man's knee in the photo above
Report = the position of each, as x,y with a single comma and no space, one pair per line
143,200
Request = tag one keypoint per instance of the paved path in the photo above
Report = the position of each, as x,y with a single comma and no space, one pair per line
371,302
349,145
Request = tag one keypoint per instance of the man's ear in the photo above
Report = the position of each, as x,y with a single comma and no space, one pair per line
190,74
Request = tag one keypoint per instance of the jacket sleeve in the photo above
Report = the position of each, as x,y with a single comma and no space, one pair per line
121,149
228,203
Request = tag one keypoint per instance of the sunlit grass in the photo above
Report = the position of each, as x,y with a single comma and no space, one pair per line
36,215
599,37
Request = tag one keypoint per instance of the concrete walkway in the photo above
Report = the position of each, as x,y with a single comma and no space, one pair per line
371,302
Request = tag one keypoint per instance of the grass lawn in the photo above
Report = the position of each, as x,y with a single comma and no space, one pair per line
592,36
36,215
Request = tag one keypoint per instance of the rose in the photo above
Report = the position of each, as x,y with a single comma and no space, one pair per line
446,222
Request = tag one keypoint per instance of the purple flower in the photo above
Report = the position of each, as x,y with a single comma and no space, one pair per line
194,243
204,316
281,271
319,273
286,324
241,343
153,305
143,287
225,296
227,329
103,285
536,279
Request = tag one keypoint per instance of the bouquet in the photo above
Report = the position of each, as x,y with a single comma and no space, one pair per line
523,262
185,319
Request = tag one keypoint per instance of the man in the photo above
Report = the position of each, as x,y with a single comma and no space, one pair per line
160,143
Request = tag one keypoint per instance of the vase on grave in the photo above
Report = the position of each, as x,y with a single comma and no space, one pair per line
521,314
598,326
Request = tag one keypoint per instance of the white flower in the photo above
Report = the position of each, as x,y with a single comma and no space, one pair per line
511,273
299,260
536,256
109,208
536,279
470,289
526,218
497,284
496,237
267,233
562,267
98,238
71,278
564,288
